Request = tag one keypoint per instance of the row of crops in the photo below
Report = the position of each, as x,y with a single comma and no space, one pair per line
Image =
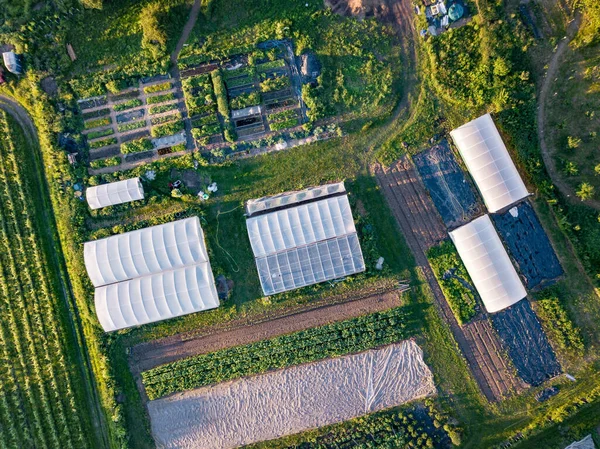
309,345
201,104
39,403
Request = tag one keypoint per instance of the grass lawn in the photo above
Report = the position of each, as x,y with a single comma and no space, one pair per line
573,117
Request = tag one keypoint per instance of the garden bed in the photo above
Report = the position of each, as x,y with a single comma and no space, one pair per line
129,116
452,194
526,343
90,103
528,244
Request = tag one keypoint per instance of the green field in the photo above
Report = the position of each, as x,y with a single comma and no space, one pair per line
42,397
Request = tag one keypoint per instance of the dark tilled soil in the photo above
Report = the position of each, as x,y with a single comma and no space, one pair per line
422,227
145,356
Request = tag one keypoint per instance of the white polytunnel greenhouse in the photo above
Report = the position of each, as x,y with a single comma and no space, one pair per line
145,251
156,297
489,163
151,274
488,264
114,193
304,238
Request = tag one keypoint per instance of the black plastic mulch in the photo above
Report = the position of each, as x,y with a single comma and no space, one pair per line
528,244
526,343
445,180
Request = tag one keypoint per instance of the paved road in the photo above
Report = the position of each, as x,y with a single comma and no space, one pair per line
24,120
547,84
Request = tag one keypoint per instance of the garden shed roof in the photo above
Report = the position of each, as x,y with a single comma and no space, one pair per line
156,297
303,244
488,161
145,251
115,193
488,264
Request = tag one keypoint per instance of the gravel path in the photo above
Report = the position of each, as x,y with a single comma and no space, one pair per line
158,352
291,400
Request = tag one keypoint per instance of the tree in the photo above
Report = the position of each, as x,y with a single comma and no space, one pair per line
154,37
586,191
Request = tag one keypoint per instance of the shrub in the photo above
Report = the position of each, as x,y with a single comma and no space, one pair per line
585,191
97,123
103,133
128,105
168,129
573,142
103,143
157,87
137,146
160,98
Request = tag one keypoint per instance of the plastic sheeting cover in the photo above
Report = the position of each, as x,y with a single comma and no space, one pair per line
586,443
145,251
114,193
488,264
156,297
488,161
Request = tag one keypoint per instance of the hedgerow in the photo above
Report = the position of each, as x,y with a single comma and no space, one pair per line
318,343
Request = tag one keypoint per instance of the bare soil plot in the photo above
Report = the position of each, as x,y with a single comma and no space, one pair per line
146,356
415,213
526,343
450,191
291,400
528,244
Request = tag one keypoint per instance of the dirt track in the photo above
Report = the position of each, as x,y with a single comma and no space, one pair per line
149,355
421,225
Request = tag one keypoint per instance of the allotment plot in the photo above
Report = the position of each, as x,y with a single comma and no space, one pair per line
291,400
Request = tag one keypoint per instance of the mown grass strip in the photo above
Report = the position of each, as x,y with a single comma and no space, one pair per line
349,336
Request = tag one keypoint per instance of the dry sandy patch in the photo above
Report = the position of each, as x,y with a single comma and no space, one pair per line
291,400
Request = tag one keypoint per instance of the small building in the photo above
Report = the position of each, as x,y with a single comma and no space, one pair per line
115,193
12,63
310,67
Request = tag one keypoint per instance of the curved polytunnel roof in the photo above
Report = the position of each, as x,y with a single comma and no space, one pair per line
290,198
301,225
145,251
114,193
156,297
305,243
488,264
489,163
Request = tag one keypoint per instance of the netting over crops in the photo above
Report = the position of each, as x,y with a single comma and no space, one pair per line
489,163
291,400
306,243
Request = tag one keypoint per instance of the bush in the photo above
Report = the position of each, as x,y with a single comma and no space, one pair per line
157,87
585,191
102,143
128,105
137,146
160,98
168,129
97,123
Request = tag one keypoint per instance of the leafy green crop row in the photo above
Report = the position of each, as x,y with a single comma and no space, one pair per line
157,87
168,129
332,340
103,143
245,100
273,84
108,162
97,123
265,66
451,273
153,110
160,98
290,123
130,126
96,134
136,146
130,104
165,118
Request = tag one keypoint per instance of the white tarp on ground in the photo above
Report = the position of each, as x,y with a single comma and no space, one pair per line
488,264
288,198
586,443
305,244
114,193
291,400
488,161
145,251
156,297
